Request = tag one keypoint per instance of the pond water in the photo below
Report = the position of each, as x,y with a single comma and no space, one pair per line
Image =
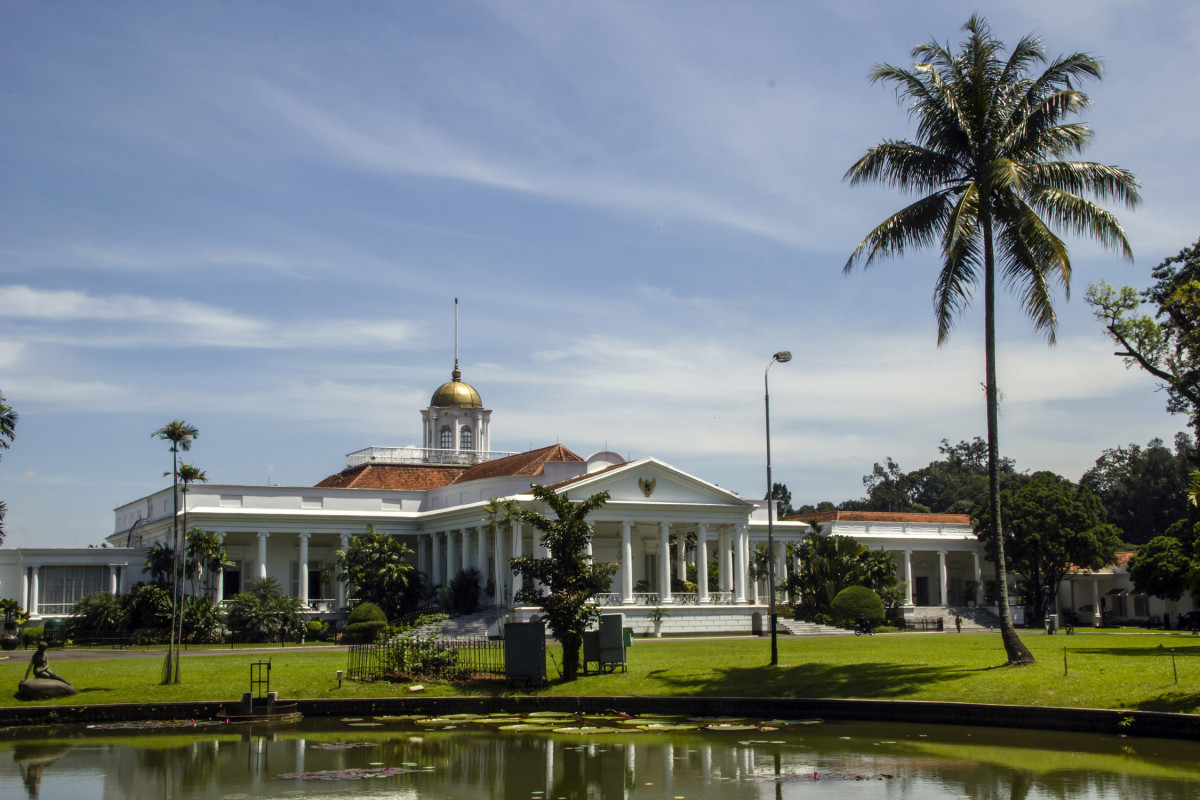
398,758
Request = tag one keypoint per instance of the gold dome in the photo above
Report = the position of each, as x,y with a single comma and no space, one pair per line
456,393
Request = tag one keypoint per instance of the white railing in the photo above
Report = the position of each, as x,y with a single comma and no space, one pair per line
677,598
421,455
323,605
54,609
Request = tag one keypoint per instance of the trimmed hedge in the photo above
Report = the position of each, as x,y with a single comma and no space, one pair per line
854,602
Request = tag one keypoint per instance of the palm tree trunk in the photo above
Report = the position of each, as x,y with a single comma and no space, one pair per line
1015,649
168,671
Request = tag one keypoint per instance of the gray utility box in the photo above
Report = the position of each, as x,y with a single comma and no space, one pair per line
525,652
612,642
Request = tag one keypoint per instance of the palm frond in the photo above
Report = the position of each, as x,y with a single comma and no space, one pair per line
916,225
1082,217
902,164
1079,177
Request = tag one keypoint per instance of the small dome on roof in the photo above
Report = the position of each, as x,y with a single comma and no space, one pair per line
456,393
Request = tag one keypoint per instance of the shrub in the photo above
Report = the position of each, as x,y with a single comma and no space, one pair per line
31,636
465,591
99,616
854,602
316,630
365,623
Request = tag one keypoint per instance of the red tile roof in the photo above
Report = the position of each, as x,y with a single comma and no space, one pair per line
393,476
431,476
884,516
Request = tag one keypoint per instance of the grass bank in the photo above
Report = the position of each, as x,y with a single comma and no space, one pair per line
1103,670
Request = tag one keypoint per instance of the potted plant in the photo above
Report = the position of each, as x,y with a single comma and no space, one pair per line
14,615
656,616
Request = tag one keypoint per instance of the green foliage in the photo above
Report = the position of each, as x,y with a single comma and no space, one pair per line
464,593
365,623
419,652
100,616
1167,344
264,613
1053,526
568,577
159,561
13,613
31,636
201,621
205,556
8,431
857,602
1161,568
828,564
990,167
1144,490
147,606
317,630
783,500
377,566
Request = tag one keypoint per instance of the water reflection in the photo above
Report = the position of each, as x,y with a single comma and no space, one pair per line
846,760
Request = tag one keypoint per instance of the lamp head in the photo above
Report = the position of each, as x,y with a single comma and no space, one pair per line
783,356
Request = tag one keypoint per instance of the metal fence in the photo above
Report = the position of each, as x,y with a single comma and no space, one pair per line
428,657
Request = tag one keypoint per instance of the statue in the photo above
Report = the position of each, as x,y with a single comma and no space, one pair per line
45,683
40,665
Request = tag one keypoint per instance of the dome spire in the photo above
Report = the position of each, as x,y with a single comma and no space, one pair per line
456,375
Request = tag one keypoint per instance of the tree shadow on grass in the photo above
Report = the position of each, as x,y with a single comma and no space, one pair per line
1175,702
872,681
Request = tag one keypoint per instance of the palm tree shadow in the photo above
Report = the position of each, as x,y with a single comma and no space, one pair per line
876,680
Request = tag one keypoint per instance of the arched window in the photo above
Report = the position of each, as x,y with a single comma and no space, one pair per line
465,440
447,438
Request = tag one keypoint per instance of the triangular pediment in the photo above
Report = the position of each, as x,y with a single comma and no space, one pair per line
649,481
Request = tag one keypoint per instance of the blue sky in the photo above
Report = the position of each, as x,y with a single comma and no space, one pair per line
256,217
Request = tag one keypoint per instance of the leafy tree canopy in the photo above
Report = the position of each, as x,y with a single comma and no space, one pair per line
1166,342
1144,489
1052,526
1161,568
378,568
564,582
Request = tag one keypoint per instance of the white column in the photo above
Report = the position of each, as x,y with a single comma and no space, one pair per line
740,572
702,563
219,578
302,570
436,570
781,566
451,557
978,578
498,570
33,592
422,554
262,553
343,589
724,568
517,551
468,548
1095,600
908,582
664,563
112,579
25,604
942,578
750,550
481,555
626,562
681,557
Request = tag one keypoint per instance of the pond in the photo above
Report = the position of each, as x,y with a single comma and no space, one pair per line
391,757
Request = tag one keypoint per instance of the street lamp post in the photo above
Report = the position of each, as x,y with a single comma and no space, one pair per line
783,356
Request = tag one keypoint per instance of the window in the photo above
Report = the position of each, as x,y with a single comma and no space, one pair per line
464,438
447,438
59,588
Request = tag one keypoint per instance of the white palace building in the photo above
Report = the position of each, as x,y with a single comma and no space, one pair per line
433,497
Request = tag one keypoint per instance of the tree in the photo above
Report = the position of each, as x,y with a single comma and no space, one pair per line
8,431
828,564
377,566
499,516
1161,568
991,136
180,434
205,556
1167,344
159,559
783,500
1053,526
1144,489
565,581
98,616
264,612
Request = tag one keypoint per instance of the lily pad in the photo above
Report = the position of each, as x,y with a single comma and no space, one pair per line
724,726
720,720
669,726
588,730
523,726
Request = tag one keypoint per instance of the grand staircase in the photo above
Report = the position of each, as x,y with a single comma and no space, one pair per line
974,620
810,628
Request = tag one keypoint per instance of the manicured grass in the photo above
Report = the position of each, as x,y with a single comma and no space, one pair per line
1104,670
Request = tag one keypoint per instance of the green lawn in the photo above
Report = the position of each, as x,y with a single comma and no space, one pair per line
1105,670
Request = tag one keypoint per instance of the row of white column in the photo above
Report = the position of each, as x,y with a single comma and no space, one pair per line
943,578
340,587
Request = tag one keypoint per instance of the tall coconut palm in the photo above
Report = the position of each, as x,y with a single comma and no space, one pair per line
180,434
988,167
8,430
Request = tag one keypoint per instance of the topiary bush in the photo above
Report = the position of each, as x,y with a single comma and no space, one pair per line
856,602
365,623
